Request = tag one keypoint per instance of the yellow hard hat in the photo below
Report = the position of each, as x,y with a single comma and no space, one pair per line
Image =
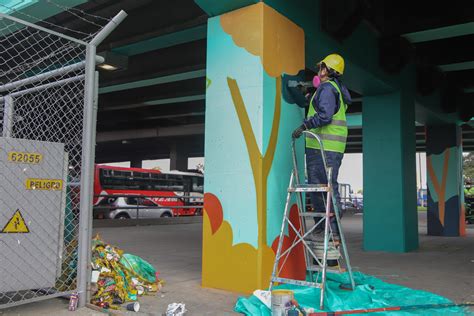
335,62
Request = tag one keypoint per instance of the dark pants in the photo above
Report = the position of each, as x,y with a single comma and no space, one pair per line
317,175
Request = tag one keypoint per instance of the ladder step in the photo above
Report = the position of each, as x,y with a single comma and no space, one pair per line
317,268
309,188
313,214
296,282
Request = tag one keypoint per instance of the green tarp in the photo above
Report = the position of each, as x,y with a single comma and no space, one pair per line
370,292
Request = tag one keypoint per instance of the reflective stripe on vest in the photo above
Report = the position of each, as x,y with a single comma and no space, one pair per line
339,122
333,135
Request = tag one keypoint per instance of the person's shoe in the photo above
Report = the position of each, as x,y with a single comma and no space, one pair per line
317,234
336,239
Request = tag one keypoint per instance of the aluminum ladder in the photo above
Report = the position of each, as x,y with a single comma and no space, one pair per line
316,260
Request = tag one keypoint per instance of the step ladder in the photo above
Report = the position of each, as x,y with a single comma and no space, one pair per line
317,252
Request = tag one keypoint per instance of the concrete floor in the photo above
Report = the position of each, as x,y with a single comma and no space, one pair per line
442,265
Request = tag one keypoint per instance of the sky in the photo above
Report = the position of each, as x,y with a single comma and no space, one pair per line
351,171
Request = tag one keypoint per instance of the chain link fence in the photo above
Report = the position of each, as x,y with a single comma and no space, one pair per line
47,88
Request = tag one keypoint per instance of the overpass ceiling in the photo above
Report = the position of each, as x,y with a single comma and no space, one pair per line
164,43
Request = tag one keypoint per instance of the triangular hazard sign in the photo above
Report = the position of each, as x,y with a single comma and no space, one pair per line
16,224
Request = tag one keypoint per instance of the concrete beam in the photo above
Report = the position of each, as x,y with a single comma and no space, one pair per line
440,33
457,66
172,29
166,40
217,7
32,10
154,81
156,102
184,130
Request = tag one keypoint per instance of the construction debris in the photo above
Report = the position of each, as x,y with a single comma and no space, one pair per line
119,277
176,309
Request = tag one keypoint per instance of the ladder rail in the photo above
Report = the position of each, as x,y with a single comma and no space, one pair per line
343,244
299,199
321,149
280,241
326,243
310,256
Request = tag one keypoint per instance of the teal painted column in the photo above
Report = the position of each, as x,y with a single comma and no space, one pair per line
390,214
250,52
445,216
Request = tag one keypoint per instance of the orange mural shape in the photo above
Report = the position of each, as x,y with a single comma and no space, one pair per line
227,266
263,32
462,221
293,264
440,188
213,207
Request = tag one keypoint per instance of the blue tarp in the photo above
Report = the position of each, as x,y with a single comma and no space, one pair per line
370,292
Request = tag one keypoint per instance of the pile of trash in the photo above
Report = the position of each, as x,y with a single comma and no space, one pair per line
119,277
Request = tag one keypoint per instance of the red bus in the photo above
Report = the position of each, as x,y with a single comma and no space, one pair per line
165,189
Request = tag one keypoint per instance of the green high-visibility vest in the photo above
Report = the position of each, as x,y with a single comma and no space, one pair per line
333,135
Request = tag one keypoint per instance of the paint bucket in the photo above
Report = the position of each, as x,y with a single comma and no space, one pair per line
281,302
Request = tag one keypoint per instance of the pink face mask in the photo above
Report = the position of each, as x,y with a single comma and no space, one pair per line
316,81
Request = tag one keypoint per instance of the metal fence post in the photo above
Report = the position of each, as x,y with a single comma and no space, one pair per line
87,177
8,106
85,229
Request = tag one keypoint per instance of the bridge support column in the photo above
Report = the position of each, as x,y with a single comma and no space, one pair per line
390,214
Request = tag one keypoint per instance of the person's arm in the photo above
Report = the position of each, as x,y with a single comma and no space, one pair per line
297,93
327,107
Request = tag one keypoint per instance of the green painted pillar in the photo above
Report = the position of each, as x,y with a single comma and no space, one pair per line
390,214
445,183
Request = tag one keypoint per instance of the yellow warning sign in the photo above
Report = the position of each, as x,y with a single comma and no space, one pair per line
21,157
16,225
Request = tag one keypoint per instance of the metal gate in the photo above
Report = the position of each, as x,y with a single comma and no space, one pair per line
48,102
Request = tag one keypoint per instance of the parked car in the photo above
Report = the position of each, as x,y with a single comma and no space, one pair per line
126,207
349,207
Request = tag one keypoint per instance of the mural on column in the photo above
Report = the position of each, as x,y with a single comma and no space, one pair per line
446,215
247,148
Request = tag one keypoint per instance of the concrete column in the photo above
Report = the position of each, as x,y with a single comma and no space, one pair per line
446,215
178,158
390,214
136,163
247,145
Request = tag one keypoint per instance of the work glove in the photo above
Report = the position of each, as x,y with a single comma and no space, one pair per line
297,132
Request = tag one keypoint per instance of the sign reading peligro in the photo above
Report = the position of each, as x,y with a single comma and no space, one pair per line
44,184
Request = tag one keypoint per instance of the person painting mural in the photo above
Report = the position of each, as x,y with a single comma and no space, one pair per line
327,118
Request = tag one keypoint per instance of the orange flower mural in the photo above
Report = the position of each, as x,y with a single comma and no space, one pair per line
277,40
240,272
